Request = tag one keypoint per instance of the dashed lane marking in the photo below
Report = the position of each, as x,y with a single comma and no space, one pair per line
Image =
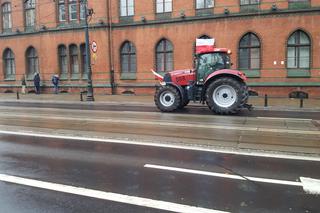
121,198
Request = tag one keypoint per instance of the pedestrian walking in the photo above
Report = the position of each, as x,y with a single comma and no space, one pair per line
55,81
36,81
23,85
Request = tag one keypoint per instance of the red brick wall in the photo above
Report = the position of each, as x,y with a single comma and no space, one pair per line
272,29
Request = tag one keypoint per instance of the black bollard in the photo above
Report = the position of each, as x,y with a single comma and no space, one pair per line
81,96
18,96
265,100
301,102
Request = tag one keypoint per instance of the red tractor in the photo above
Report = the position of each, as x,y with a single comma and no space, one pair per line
212,81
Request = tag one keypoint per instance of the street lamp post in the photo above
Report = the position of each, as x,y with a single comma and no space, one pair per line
90,96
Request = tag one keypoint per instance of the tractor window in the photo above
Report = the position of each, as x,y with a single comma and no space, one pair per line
208,63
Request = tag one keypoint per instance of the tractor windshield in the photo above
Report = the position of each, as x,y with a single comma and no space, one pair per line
210,62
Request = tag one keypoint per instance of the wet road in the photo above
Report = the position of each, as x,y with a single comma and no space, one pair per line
134,170
203,110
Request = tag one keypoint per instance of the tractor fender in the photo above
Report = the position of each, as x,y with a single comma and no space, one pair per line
226,72
180,89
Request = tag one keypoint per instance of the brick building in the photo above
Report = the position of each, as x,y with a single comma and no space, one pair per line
276,43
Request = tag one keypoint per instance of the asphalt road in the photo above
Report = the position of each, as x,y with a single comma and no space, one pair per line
132,170
202,110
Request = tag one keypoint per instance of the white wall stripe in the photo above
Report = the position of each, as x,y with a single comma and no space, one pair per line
162,145
138,201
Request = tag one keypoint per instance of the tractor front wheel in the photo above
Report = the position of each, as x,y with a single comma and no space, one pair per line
226,95
167,98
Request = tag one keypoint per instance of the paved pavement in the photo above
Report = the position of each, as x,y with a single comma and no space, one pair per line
290,146
258,102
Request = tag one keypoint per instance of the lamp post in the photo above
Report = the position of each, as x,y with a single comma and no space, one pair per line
90,96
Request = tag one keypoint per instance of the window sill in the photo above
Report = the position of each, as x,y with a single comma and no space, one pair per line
163,16
251,73
250,8
128,76
126,19
204,11
298,73
10,78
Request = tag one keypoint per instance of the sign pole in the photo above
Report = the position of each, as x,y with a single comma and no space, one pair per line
90,96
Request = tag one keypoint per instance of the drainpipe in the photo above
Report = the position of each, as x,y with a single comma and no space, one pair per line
110,49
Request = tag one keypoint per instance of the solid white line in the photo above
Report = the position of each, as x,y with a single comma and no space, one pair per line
237,177
162,145
133,200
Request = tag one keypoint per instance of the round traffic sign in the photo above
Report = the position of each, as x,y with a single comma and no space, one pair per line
94,47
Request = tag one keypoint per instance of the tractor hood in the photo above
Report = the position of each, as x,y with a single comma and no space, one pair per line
180,77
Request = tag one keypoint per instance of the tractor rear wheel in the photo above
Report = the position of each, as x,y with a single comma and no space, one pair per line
226,95
167,98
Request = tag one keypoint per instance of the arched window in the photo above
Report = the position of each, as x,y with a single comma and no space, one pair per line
32,62
164,56
30,13
9,64
74,61
6,16
249,52
298,51
63,60
83,60
128,57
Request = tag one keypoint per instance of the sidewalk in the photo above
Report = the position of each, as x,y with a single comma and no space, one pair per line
279,104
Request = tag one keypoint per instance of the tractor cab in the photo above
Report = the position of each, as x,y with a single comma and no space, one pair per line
207,63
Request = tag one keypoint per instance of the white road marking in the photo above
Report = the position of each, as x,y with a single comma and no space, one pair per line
162,145
173,124
309,185
288,119
222,175
121,198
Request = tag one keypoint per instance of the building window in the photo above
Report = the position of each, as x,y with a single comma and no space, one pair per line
249,2
298,51
203,4
249,52
164,56
30,12
73,10
126,7
74,62
6,16
62,10
83,14
128,58
83,60
164,6
63,61
32,62
9,64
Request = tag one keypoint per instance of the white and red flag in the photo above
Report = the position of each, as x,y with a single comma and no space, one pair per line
204,45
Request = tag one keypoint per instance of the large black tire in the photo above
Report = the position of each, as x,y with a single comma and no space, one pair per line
226,95
167,98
